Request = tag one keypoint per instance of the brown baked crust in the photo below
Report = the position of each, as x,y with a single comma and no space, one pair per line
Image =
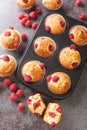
53,21
7,67
69,56
43,44
33,69
25,5
52,4
8,41
62,85
52,107
32,101
80,34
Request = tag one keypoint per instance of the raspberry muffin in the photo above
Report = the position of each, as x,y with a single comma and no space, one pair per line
44,46
69,57
7,65
25,4
33,71
36,104
52,4
10,39
55,24
53,114
78,35
58,82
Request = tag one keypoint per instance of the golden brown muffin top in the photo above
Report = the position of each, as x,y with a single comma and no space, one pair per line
52,4
58,82
55,24
44,46
33,71
78,34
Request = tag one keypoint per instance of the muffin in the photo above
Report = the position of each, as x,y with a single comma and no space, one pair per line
7,65
78,35
53,114
25,4
58,82
55,24
52,4
10,39
36,104
69,57
44,46
33,71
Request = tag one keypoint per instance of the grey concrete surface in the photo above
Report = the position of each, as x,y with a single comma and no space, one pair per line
74,115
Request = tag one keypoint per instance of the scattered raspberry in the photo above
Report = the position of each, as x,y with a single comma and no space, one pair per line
7,81
72,47
36,104
20,93
75,64
59,109
71,36
25,1
79,2
28,23
0,86
13,97
11,27
5,58
20,15
62,23
38,10
27,78
21,106
48,78
16,44
55,78
51,114
58,1
82,16
13,87
33,15
23,36
26,16
28,101
53,124
42,65
34,25
48,28
36,113
35,45
7,33
23,21
51,47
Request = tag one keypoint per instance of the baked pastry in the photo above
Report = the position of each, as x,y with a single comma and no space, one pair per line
55,24
33,71
44,46
53,114
10,39
78,35
69,57
7,65
25,4
58,82
36,104
52,4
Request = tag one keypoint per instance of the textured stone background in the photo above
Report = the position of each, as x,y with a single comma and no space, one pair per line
74,108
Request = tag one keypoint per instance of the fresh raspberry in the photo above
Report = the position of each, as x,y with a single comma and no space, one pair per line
7,81
27,78
23,36
23,21
79,2
48,28
13,87
62,23
26,16
59,109
38,10
71,36
33,15
34,25
36,104
82,16
42,65
28,23
20,15
48,78
5,58
7,33
75,65
72,47
11,27
21,106
53,124
13,97
0,86
35,45
16,44
51,114
25,1
55,78
58,1
20,93
28,101
36,113
51,47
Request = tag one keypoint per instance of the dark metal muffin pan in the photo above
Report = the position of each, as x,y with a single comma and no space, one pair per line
52,63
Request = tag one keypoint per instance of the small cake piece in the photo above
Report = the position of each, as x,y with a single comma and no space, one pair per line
10,39
78,35
53,114
69,57
52,4
25,4
33,71
36,104
58,82
44,46
7,65
55,24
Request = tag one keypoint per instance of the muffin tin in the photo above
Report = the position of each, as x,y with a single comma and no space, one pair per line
52,63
